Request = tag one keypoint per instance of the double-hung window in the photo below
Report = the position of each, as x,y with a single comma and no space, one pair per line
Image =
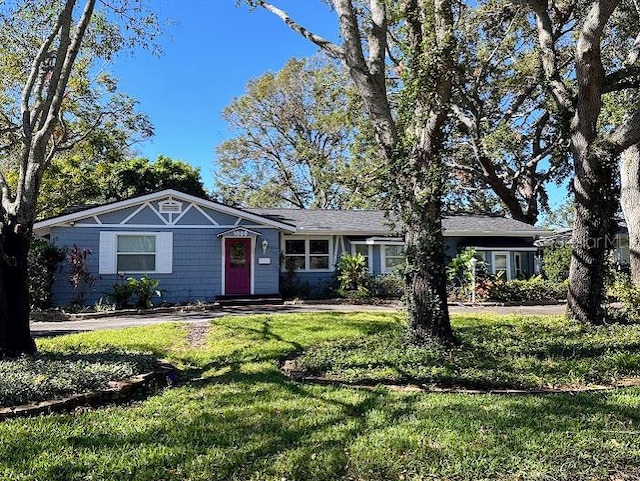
136,252
392,257
307,254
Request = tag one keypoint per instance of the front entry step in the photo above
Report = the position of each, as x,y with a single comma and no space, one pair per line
257,299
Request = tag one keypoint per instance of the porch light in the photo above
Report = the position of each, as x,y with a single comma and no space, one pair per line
265,246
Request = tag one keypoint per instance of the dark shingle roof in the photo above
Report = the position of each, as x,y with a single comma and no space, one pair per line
373,222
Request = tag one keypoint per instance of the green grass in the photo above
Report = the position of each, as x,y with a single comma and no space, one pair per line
495,352
245,421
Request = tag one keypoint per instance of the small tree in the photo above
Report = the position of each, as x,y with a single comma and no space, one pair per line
80,276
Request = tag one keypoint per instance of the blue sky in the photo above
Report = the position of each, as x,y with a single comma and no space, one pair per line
211,51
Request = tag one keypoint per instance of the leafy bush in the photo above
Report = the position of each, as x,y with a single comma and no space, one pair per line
145,289
556,262
534,289
44,258
623,291
388,286
121,293
353,274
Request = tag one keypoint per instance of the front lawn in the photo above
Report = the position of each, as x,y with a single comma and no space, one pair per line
494,353
238,418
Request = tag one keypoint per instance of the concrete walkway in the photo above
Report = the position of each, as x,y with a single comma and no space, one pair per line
42,328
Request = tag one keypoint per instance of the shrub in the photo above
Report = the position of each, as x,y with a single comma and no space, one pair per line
556,262
44,258
121,293
534,289
628,295
145,289
353,275
388,286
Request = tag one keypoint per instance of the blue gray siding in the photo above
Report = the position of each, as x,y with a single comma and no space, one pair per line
196,272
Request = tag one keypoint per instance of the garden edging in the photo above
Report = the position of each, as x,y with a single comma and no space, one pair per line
117,391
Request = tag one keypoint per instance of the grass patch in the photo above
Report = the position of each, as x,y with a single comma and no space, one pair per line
246,421
495,352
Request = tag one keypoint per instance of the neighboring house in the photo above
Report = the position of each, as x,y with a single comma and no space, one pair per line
200,250
618,244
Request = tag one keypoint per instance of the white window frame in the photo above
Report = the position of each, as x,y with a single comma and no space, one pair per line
369,255
383,256
307,253
517,259
108,260
508,266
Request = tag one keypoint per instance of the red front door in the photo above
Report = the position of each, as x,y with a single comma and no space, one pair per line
237,266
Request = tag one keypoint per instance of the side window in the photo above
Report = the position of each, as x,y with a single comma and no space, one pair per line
364,250
392,257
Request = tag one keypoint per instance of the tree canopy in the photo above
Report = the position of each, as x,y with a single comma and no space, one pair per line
299,141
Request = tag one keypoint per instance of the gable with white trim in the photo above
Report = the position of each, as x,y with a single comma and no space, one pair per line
167,209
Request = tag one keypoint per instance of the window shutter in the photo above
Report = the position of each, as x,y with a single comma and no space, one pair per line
164,253
107,259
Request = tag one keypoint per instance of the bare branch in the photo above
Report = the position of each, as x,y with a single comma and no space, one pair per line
330,48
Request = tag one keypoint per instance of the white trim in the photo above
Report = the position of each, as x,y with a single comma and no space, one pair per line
161,226
508,266
207,216
383,256
108,252
182,214
124,204
223,281
97,219
307,254
496,233
517,259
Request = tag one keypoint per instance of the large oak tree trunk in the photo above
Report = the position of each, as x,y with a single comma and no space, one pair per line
425,274
630,200
593,236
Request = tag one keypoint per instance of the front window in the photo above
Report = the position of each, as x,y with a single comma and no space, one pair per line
136,253
393,257
306,254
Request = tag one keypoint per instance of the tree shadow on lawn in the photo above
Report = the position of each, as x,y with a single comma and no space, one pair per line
248,424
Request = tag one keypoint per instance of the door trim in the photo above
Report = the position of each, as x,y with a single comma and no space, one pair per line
223,280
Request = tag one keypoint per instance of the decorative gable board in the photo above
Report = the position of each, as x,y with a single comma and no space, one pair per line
145,217
221,218
192,217
87,220
117,216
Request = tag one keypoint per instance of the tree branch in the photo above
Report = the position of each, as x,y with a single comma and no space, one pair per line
330,48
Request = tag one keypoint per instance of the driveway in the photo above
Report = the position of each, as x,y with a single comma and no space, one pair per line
43,328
